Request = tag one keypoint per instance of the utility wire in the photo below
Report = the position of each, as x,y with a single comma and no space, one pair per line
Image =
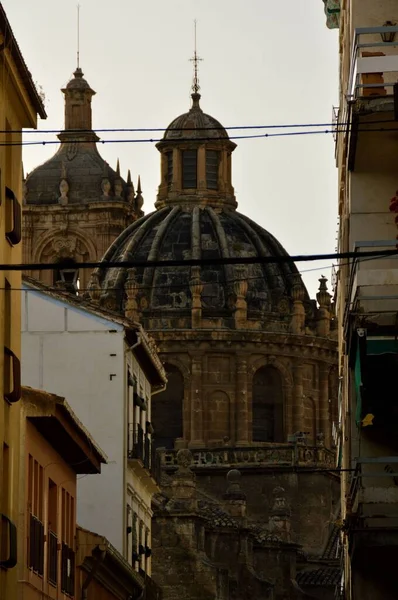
333,131
244,260
212,128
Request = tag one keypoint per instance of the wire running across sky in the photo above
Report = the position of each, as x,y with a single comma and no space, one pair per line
243,260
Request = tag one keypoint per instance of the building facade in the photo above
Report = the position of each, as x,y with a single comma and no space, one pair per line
110,370
20,105
75,204
252,382
54,449
366,297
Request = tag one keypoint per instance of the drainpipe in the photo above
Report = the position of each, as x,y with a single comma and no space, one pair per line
99,557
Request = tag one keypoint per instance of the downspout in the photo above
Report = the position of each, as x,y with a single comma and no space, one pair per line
99,557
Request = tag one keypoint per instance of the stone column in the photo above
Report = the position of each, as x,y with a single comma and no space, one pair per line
298,400
131,308
201,174
176,170
324,417
240,288
196,288
297,324
242,420
196,440
324,298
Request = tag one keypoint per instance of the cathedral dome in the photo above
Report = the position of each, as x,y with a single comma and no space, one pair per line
195,124
165,296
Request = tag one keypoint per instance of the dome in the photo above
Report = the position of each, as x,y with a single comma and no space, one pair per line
164,295
195,124
82,168
78,82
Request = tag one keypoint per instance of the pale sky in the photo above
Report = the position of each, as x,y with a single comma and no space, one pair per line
264,63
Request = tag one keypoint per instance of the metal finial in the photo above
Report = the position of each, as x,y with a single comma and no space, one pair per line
195,60
78,36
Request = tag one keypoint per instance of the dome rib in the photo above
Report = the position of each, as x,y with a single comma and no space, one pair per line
149,272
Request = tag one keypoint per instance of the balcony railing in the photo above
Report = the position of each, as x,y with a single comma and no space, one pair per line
373,282
36,545
67,570
141,448
52,557
374,63
282,455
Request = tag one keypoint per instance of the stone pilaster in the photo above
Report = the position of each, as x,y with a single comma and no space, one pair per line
298,400
242,412
196,440
196,288
324,413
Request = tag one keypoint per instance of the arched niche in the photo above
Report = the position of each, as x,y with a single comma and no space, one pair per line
267,405
167,410
218,413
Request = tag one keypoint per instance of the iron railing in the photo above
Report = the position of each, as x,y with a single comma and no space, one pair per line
67,570
52,557
36,545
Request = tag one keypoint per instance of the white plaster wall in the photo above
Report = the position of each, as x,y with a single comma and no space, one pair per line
67,351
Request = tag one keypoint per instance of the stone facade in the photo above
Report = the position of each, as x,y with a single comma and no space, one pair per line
75,204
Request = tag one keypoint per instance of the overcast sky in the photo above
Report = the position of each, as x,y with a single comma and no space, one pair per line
264,63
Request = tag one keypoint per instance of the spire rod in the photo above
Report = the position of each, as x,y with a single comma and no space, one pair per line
78,36
195,60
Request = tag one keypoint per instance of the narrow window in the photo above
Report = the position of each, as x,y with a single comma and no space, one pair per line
7,336
212,161
189,169
68,277
169,156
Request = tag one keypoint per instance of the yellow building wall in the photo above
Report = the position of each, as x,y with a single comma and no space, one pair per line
16,112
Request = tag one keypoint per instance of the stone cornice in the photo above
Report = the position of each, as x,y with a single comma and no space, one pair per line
232,341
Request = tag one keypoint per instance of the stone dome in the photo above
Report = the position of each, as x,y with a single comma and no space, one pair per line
195,124
164,296
83,169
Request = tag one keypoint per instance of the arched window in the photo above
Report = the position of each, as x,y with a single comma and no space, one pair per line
189,168
67,278
268,406
167,410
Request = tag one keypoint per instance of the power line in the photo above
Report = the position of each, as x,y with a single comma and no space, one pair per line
212,128
333,131
244,260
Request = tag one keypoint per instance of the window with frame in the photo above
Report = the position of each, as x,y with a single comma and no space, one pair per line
212,162
189,168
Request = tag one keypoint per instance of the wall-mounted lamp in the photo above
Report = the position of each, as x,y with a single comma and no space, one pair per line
388,36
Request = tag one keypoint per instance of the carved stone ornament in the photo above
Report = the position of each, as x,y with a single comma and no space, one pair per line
64,245
184,459
63,190
105,186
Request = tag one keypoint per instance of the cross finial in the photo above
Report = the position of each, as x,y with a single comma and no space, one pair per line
195,60
78,36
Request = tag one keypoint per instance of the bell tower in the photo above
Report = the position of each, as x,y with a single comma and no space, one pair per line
75,205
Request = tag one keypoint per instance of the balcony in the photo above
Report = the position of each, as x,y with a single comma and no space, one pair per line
374,64
67,570
372,289
284,456
142,453
36,545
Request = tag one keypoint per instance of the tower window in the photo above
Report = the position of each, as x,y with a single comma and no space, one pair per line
169,156
212,161
189,169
